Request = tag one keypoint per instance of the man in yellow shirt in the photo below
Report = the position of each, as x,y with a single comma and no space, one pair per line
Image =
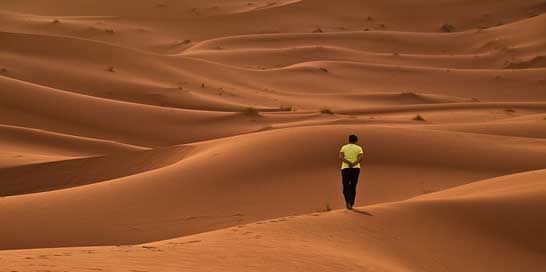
350,156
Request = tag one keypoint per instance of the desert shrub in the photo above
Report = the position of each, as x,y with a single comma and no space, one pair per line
323,69
110,31
318,30
326,111
447,28
111,69
251,111
419,118
510,110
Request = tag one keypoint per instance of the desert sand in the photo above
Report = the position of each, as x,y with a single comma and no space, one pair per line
204,135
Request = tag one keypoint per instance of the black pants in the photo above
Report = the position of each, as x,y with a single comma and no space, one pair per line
349,178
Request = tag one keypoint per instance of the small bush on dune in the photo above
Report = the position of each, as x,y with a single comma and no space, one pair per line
447,28
56,21
110,31
323,69
326,111
111,69
3,70
251,111
318,30
419,118
510,110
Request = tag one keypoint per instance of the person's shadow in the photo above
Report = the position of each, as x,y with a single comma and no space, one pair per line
362,212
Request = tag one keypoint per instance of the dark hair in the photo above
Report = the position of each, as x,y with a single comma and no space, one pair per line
353,139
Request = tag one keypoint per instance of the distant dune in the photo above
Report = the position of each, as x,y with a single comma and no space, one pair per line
203,135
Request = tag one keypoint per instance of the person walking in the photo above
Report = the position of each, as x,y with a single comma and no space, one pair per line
350,155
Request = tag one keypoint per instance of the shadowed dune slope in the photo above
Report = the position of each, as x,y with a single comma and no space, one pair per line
76,172
22,146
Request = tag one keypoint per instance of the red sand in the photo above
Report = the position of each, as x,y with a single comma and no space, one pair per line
203,135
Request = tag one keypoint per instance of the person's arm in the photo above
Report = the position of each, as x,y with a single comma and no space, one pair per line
343,159
359,158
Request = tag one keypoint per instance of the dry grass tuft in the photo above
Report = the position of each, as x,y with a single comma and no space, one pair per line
447,28
326,111
419,118
251,111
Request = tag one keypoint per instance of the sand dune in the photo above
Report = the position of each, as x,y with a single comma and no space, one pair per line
157,204
76,172
425,233
23,146
216,125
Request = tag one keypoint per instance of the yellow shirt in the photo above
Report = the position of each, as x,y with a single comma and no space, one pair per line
351,152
